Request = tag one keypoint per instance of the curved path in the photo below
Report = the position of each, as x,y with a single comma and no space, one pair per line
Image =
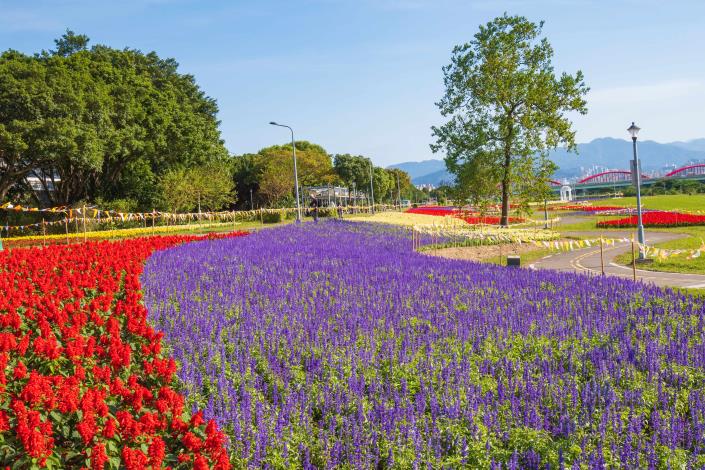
587,260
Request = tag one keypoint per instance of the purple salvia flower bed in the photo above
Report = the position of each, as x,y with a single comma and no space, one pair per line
335,345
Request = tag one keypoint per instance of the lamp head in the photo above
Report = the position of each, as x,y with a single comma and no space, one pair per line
273,123
633,131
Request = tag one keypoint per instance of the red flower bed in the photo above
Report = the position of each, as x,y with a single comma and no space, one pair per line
83,381
656,219
589,208
488,219
469,217
432,210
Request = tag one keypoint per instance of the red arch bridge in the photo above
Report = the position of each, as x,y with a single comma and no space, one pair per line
620,178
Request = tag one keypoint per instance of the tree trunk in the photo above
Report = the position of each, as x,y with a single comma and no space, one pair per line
4,188
504,220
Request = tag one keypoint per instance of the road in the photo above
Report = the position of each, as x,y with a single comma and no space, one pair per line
587,260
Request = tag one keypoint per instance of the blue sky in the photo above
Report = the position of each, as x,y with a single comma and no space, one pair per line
362,76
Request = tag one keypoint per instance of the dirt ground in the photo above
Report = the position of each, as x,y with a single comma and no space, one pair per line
483,252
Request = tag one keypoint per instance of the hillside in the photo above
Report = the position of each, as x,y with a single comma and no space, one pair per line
607,152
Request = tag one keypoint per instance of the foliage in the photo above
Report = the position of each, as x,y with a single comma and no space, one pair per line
353,170
84,380
247,174
383,184
277,175
209,187
118,205
506,109
270,175
100,122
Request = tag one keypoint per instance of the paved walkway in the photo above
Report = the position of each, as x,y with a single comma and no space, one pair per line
587,260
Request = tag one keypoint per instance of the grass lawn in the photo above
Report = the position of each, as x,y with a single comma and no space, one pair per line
684,202
589,224
527,257
676,264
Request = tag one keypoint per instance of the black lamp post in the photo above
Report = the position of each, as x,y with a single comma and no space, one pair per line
296,173
636,172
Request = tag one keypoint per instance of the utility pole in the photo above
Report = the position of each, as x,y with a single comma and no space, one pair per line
372,191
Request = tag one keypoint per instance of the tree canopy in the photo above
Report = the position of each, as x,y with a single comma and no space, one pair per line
270,175
506,108
205,187
101,122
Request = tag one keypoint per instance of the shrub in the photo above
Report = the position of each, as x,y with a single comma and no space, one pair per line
272,217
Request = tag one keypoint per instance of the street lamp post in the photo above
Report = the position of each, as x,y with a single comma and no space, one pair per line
296,173
252,206
372,191
634,131
545,214
398,191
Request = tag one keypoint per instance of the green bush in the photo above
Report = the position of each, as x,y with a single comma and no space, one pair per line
272,217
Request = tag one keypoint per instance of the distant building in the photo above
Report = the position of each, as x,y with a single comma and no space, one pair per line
333,196
43,184
426,186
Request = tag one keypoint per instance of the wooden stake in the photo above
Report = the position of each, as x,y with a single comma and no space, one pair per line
66,224
85,237
154,216
44,233
602,257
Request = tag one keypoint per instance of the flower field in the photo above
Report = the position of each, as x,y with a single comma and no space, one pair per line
410,219
469,217
83,379
32,240
586,208
656,219
336,346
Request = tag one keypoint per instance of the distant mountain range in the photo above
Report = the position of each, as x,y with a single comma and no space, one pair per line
426,172
604,152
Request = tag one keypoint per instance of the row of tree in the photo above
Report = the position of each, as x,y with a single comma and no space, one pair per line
125,130
269,174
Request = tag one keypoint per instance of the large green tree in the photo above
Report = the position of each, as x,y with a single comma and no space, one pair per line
101,122
352,170
247,174
506,108
276,184
207,187
355,170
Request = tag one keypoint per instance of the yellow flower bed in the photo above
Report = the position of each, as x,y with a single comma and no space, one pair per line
120,233
410,220
486,234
